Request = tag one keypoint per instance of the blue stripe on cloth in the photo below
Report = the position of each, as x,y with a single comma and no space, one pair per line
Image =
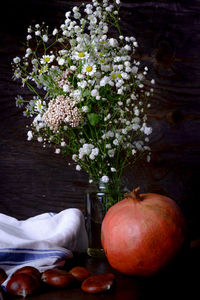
11,256
29,249
27,256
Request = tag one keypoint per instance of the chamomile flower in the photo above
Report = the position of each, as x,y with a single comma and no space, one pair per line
39,106
89,69
19,101
47,59
81,55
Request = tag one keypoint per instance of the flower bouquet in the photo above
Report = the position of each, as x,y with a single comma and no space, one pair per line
90,99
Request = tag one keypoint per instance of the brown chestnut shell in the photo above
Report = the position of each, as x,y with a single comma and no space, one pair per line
98,283
22,285
80,273
29,270
57,278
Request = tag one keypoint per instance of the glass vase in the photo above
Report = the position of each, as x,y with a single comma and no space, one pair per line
98,199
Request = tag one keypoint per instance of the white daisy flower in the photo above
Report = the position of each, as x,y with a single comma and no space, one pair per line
47,59
81,55
89,69
38,106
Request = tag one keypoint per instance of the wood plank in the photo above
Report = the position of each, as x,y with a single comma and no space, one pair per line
34,180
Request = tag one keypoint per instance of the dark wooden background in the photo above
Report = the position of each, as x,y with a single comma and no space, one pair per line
34,180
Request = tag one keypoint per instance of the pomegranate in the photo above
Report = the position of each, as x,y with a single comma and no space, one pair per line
142,233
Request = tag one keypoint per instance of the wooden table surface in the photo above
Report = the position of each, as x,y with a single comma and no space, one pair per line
180,280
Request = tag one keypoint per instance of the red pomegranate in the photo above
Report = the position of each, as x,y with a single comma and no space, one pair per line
142,233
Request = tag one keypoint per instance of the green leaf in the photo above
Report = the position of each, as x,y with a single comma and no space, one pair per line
93,118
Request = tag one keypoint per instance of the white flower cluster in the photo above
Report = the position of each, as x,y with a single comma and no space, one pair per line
61,110
96,95
88,150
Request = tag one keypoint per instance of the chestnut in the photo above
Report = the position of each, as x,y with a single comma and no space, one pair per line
22,285
57,278
29,270
3,275
98,283
80,273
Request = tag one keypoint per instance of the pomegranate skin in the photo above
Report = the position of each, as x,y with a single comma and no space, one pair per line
143,233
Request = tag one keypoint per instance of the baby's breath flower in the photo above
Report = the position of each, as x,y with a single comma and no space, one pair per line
45,38
78,167
29,37
85,109
40,139
61,61
55,31
105,179
30,135
57,151
37,32
62,144
16,60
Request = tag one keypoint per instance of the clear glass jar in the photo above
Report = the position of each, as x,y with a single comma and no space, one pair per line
98,199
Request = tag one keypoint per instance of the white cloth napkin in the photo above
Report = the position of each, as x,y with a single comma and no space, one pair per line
44,241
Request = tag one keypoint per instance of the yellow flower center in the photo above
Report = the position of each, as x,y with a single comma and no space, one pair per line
81,54
39,105
89,68
100,54
114,76
119,75
102,61
47,59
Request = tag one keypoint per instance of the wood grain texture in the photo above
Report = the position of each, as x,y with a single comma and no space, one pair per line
34,180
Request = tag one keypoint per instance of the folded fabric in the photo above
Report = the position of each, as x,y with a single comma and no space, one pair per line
44,241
